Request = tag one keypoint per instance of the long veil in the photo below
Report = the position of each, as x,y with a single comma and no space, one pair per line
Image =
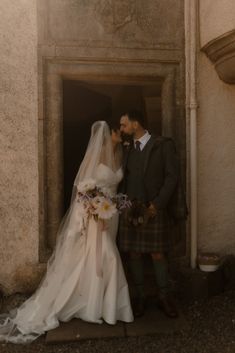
41,311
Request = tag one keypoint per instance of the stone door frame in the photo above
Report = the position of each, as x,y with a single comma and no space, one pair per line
51,129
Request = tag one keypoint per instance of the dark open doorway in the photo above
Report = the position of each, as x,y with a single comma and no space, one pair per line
85,102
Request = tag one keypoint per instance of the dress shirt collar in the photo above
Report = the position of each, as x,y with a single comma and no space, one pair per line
143,140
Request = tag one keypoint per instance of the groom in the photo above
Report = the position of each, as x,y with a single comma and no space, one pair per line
150,178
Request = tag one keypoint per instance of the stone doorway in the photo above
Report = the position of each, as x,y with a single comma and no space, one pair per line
114,86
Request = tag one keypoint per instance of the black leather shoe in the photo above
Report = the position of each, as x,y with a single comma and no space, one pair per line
167,305
139,307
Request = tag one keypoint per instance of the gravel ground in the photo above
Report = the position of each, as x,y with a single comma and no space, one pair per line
211,329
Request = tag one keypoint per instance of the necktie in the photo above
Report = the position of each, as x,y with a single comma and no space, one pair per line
137,145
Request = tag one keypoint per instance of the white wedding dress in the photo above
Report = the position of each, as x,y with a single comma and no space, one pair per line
85,279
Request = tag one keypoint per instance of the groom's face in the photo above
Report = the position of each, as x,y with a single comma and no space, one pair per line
127,127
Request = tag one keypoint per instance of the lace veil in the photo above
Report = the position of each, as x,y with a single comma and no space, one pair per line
99,151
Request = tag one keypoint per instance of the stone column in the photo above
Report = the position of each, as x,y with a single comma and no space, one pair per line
191,109
54,148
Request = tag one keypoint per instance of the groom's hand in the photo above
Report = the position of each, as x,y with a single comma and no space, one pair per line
152,210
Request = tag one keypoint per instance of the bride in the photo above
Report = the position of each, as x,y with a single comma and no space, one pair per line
84,277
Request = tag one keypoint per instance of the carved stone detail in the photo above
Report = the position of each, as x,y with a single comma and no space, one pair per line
221,51
115,14
112,23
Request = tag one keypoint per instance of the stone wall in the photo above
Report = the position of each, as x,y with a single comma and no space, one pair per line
216,18
19,144
216,143
103,23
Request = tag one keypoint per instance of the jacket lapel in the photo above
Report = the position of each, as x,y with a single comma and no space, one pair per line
152,143
148,148
126,155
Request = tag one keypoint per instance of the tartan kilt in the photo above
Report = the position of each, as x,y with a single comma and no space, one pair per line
147,238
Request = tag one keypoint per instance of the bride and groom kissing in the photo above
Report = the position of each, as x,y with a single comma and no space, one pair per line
85,277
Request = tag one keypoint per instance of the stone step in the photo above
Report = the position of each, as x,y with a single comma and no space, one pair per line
153,322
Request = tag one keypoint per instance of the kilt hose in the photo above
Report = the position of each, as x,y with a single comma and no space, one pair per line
154,236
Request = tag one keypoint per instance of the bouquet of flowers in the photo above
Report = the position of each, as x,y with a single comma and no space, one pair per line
98,202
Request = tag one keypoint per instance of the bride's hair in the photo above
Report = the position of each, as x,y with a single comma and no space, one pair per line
114,125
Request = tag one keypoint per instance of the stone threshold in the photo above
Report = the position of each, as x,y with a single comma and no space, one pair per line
153,322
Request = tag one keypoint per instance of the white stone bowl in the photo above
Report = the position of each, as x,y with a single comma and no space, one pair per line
208,268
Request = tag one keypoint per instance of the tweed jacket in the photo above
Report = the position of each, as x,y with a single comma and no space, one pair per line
160,172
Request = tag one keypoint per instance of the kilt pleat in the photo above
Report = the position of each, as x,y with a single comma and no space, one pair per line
147,238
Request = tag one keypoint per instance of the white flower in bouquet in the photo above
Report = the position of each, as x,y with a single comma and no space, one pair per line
105,209
107,192
86,185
